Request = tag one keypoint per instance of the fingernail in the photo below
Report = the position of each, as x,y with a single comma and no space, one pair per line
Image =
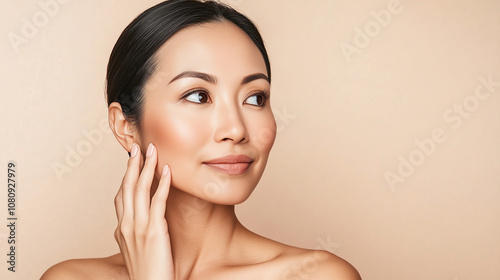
134,150
150,150
165,170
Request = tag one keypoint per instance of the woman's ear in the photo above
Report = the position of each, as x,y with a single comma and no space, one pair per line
122,129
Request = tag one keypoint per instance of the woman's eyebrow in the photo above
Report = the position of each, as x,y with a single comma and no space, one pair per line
211,79
193,74
254,77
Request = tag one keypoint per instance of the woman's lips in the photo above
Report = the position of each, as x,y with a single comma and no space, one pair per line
230,168
231,164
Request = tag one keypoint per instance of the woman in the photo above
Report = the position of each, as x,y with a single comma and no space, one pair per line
188,86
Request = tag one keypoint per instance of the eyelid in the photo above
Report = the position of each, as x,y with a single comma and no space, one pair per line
191,91
195,90
264,93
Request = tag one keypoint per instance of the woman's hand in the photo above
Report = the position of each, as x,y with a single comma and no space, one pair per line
142,231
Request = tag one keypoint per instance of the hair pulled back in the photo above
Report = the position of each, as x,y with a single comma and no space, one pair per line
132,60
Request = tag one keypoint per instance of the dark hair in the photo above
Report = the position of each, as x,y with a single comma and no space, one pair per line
132,61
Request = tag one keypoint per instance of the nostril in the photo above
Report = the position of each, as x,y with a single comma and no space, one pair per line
230,139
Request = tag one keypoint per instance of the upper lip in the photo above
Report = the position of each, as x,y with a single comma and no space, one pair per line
231,159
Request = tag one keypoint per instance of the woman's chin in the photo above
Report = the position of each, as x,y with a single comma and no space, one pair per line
211,193
227,196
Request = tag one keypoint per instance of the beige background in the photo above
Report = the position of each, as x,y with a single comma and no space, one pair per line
345,122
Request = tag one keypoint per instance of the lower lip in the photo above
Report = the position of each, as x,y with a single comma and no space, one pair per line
230,168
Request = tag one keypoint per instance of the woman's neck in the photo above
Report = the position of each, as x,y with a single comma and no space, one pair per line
201,233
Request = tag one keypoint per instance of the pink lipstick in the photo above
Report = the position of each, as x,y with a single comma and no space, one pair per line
230,164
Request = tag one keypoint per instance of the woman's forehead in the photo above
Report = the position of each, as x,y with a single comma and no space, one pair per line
210,47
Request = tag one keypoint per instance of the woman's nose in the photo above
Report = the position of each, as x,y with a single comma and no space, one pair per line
230,125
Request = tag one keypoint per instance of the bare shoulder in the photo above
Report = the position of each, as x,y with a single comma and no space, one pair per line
283,261
317,264
334,267
88,269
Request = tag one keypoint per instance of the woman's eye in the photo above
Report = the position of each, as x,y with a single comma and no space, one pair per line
197,97
258,99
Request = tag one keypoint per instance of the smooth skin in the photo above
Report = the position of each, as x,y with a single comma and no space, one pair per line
175,213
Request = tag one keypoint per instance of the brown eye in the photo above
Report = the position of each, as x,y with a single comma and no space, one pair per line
197,97
258,99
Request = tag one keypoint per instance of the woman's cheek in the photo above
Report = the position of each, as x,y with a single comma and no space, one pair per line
173,135
180,139
265,133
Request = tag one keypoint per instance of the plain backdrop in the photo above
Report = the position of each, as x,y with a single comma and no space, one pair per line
388,148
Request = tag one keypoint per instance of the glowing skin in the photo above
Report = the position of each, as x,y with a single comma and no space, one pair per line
222,117
207,113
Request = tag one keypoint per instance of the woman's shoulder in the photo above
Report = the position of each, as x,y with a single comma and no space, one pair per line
315,264
292,262
96,268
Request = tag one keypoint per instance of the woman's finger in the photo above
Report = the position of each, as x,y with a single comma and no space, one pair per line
143,188
119,195
159,200
119,205
129,182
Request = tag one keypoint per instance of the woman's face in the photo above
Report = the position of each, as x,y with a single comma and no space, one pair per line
208,99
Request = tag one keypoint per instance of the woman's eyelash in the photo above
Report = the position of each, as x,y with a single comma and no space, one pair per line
194,91
265,96
264,93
